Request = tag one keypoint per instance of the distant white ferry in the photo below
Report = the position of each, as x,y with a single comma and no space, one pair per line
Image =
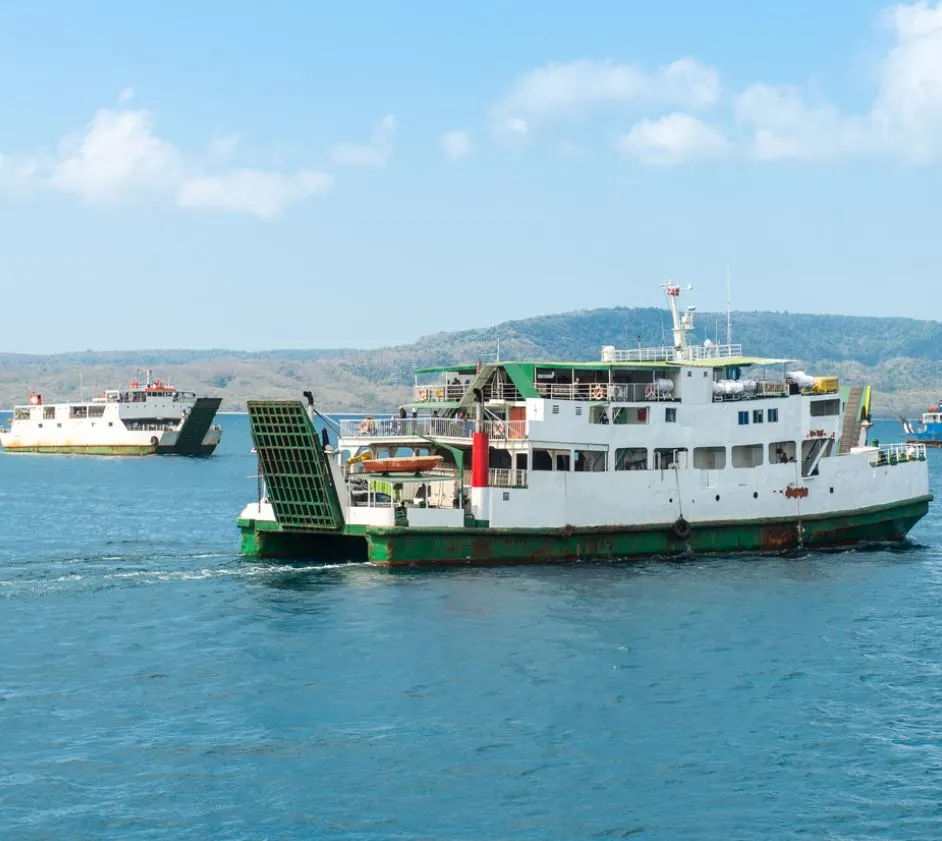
145,419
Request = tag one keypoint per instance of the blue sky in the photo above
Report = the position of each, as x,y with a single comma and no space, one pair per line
301,174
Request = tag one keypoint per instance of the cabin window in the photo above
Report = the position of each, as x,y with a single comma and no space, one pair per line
773,415
781,452
670,415
743,418
96,411
665,458
591,461
49,413
542,460
747,455
757,416
563,462
822,408
812,452
78,411
631,458
709,458
21,414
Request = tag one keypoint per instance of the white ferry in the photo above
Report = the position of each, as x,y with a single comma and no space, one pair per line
146,418
647,451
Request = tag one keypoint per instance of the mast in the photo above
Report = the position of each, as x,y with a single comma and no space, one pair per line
681,323
729,319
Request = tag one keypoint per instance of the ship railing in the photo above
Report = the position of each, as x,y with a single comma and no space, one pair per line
691,353
501,477
373,428
439,393
500,430
611,392
890,454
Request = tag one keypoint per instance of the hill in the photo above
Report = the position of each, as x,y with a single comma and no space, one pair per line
900,357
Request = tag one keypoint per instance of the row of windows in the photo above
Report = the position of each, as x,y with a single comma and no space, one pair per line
715,458
758,415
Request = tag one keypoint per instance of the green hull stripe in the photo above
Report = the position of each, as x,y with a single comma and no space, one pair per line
412,546
92,450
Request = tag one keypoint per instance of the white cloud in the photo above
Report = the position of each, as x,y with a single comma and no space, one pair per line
905,119
265,194
560,89
673,139
375,153
119,159
223,146
456,144
515,125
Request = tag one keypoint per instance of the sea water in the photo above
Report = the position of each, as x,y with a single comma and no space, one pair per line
154,685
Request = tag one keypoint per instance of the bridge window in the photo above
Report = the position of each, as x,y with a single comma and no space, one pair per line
743,418
757,416
823,408
773,415
709,458
670,415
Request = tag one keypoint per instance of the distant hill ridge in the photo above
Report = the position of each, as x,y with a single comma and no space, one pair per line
899,356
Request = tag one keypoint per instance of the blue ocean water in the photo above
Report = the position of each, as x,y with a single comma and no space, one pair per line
153,685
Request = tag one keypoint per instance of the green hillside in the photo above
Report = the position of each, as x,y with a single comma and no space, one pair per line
900,357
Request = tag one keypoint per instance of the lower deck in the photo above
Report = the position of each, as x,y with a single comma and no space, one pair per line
412,546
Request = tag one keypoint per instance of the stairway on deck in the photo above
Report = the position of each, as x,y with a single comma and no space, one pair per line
850,432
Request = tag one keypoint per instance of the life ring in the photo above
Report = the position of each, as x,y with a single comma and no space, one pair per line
153,440
598,392
423,394
680,528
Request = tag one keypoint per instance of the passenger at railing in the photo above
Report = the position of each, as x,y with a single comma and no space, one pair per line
603,416
780,455
400,427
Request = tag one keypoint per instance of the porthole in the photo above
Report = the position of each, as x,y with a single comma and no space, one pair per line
755,494
717,497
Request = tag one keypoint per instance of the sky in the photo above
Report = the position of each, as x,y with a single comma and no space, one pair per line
312,175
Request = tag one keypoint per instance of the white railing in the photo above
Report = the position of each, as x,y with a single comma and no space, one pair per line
897,454
506,478
373,428
498,430
612,392
668,354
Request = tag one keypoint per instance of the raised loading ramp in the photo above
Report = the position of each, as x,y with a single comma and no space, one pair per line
294,466
190,438
854,416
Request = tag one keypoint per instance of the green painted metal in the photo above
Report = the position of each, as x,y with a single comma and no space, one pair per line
91,450
418,546
448,369
522,376
293,463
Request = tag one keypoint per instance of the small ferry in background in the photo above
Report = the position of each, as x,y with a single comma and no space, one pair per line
644,451
927,431
148,418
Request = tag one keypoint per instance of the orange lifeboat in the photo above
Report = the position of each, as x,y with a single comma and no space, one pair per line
408,464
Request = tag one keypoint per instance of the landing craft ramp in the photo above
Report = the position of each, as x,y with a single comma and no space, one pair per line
294,466
190,438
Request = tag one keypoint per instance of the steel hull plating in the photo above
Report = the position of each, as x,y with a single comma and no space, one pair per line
413,547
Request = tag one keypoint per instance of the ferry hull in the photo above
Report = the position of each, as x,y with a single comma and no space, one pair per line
83,450
390,547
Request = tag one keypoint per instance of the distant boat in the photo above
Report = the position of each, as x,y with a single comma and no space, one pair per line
144,419
927,431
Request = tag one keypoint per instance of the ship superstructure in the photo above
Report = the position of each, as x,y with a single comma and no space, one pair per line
646,451
149,417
